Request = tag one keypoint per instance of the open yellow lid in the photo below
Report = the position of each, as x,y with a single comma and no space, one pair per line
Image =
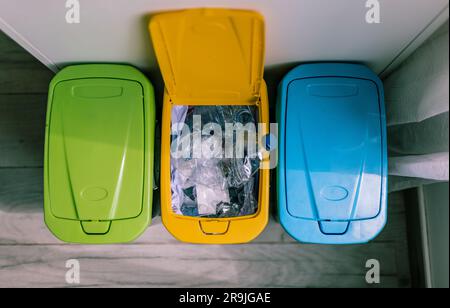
210,55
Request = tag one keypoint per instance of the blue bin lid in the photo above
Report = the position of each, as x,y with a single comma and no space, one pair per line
333,160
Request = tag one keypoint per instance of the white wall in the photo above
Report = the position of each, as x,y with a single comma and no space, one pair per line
436,197
297,30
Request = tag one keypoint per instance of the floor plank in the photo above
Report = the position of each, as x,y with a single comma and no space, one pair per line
29,228
20,73
24,78
12,52
178,265
22,130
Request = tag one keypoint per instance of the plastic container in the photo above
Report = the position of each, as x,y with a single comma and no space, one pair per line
210,57
98,169
332,171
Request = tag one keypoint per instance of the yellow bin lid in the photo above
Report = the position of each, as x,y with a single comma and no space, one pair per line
210,55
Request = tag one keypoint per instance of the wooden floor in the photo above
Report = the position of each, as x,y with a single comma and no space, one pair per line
31,257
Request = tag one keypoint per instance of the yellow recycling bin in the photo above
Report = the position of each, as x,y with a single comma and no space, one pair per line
212,63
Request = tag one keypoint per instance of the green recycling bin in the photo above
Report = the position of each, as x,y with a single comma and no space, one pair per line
98,169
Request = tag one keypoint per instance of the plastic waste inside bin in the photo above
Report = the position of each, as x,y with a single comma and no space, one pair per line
211,60
99,154
216,186
332,171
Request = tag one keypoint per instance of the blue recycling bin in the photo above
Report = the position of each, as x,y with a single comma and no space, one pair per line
332,170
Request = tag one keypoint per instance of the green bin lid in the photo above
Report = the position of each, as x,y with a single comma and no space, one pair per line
100,126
